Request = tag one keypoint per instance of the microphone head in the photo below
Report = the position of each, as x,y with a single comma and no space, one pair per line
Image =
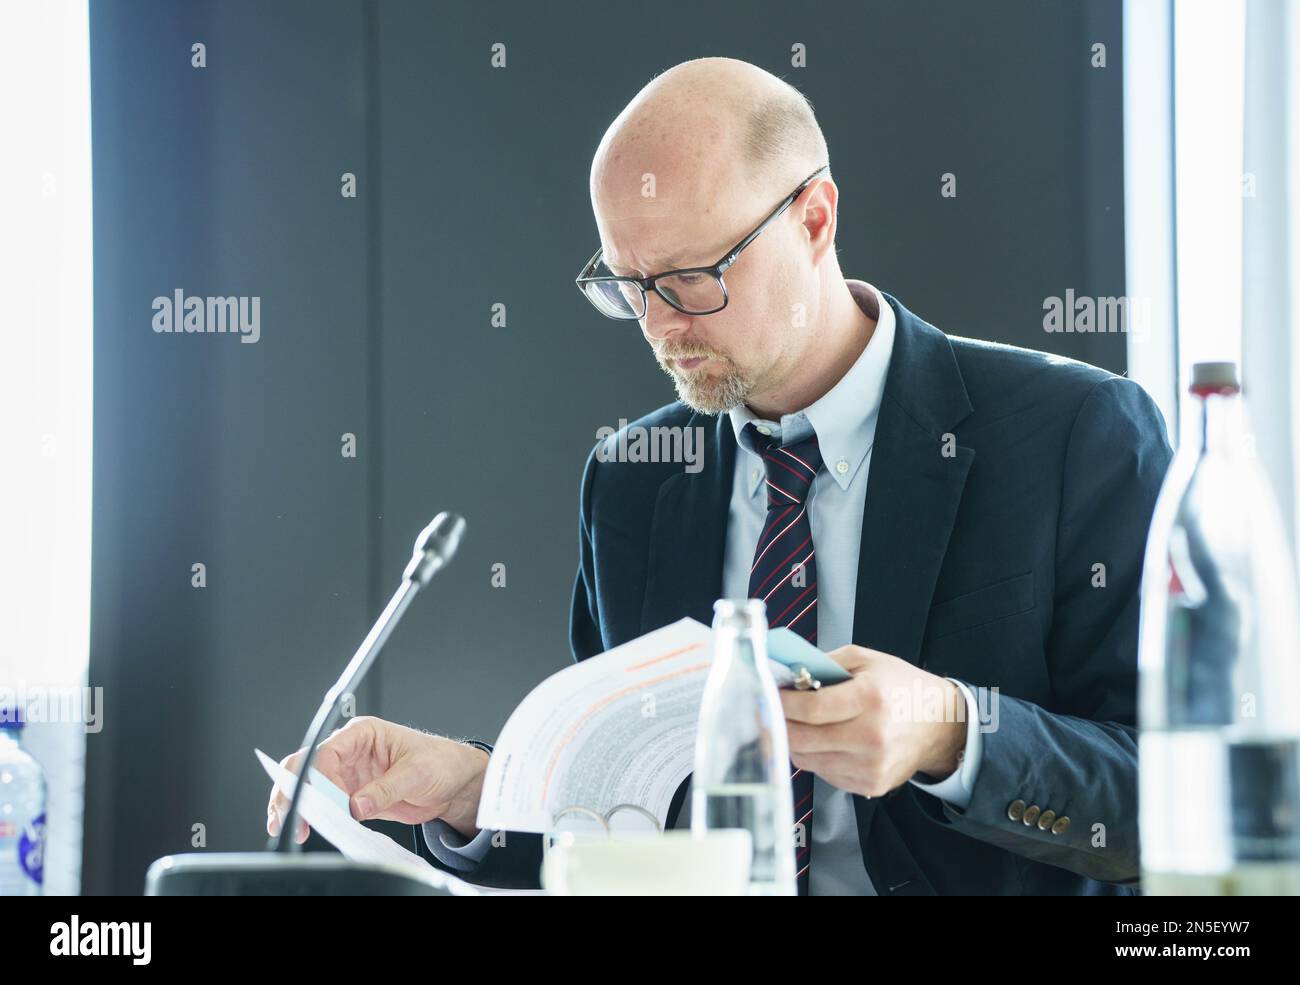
435,546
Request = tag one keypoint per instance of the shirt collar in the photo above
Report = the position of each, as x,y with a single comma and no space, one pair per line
844,420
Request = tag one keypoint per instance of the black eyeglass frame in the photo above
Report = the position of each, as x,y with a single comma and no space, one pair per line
716,270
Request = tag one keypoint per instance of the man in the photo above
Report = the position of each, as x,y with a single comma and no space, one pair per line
954,521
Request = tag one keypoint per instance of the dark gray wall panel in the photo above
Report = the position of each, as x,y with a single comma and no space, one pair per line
221,181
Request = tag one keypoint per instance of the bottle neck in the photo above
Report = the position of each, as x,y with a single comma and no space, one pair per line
738,644
739,630
1223,426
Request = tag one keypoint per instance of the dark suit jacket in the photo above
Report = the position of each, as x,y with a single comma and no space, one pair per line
1007,555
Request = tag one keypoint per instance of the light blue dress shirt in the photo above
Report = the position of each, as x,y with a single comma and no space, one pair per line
844,421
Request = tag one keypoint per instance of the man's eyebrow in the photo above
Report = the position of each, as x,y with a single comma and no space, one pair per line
669,264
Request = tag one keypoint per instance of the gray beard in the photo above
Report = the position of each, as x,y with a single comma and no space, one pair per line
711,395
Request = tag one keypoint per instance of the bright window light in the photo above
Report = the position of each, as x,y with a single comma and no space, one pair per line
45,396
1209,109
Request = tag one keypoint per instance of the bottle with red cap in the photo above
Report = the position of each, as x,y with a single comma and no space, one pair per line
1219,662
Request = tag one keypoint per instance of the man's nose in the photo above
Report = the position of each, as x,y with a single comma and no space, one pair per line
661,319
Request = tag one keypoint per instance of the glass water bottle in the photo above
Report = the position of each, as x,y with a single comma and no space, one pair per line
1219,716
742,759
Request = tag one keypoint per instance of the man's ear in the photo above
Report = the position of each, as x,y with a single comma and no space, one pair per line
819,217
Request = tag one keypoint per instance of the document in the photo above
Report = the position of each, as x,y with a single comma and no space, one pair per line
357,842
612,737
606,742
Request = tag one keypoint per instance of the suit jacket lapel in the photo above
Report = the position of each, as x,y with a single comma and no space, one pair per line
913,489
688,533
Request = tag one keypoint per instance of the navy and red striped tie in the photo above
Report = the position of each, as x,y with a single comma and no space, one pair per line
784,576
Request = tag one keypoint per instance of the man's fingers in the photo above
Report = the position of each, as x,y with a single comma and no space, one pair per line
404,783
835,703
333,756
827,765
851,657
275,819
278,805
811,739
345,749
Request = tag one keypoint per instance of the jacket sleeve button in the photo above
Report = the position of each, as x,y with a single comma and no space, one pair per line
1016,809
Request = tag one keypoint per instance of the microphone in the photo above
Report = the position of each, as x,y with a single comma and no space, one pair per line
434,547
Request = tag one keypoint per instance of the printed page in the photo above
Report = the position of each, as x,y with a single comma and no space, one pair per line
615,729
357,842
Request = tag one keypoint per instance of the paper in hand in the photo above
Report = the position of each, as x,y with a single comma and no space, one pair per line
357,842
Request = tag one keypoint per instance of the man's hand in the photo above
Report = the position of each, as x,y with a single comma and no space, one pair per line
393,773
873,733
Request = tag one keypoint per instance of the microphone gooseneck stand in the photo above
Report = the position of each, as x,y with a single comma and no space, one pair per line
285,869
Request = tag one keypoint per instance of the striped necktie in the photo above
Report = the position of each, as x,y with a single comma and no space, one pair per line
784,576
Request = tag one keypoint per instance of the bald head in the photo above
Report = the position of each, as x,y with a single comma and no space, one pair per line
706,126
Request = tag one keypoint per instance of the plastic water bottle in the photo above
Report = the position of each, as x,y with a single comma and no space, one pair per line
22,812
742,760
1219,659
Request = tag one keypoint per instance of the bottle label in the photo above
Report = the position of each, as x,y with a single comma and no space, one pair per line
31,849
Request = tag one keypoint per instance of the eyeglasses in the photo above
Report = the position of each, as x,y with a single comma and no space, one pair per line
692,290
